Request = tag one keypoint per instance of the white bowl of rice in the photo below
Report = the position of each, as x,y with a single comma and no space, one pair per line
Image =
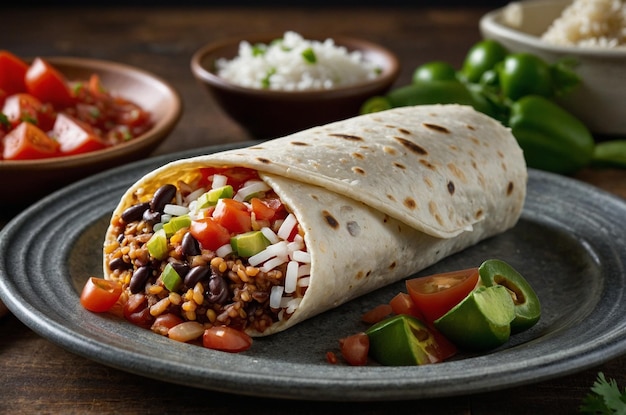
276,84
592,33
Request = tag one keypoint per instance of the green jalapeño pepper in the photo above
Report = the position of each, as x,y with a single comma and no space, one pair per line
522,74
482,57
481,321
434,71
439,92
527,307
610,153
551,137
403,340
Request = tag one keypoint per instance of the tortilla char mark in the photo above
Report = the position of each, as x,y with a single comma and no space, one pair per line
348,137
411,146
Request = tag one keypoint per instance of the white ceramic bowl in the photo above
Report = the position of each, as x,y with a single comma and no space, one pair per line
599,101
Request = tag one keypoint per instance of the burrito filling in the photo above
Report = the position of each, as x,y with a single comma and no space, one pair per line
221,249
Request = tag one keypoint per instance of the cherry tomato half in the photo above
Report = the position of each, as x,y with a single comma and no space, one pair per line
434,295
48,85
226,339
28,142
12,73
99,295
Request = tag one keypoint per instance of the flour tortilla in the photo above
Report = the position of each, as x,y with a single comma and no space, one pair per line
380,196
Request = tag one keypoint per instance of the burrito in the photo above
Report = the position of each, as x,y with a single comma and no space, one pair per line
263,237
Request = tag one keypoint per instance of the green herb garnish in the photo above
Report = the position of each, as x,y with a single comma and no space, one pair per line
259,49
309,55
265,82
605,398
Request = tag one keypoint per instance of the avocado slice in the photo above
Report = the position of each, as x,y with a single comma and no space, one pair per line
527,306
211,197
402,340
249,243
481,321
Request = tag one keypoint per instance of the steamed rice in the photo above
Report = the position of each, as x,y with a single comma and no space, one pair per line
590,23
586,23
293,63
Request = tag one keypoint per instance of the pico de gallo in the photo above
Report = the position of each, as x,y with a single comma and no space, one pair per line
475,309
204,260
43,114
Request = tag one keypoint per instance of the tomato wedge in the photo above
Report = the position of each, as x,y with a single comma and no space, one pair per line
75,136
434,295
226,339
48,85
209,233
402,303
99,295
25,107
28,142
12,73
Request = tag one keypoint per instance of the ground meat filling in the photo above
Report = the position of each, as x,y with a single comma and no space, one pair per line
197,273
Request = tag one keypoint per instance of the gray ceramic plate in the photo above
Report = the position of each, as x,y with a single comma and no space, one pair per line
569,243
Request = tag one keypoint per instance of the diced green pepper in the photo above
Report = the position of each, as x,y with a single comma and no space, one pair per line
249,243
171,279
481,321
527,307
157,244
402,340
551,137
176,223
211,197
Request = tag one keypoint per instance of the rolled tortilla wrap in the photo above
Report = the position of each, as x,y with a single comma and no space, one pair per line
378,197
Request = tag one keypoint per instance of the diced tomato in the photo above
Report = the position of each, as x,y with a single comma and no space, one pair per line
265,209
209,233
25,107
131,114
12,73
435,295
233,215
403,304
355,349
28,142
74,136
99,295
48,85
226,339
376,314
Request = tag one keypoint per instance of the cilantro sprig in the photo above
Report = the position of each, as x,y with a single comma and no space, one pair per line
605,398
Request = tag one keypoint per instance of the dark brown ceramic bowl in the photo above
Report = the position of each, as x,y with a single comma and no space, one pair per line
23,182
270,113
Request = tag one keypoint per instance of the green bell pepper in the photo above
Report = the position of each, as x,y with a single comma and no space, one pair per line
610,154
551,137
495,272
402,340
481,321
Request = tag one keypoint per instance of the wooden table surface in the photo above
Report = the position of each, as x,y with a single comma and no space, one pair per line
37,376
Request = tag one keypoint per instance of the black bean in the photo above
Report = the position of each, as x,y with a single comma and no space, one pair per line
162,197
134,212
197,274
190,245
119,263
218,290
180,268
151,216
139,278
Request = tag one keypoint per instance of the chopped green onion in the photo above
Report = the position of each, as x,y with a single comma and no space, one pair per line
309,55
265,82
259,49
